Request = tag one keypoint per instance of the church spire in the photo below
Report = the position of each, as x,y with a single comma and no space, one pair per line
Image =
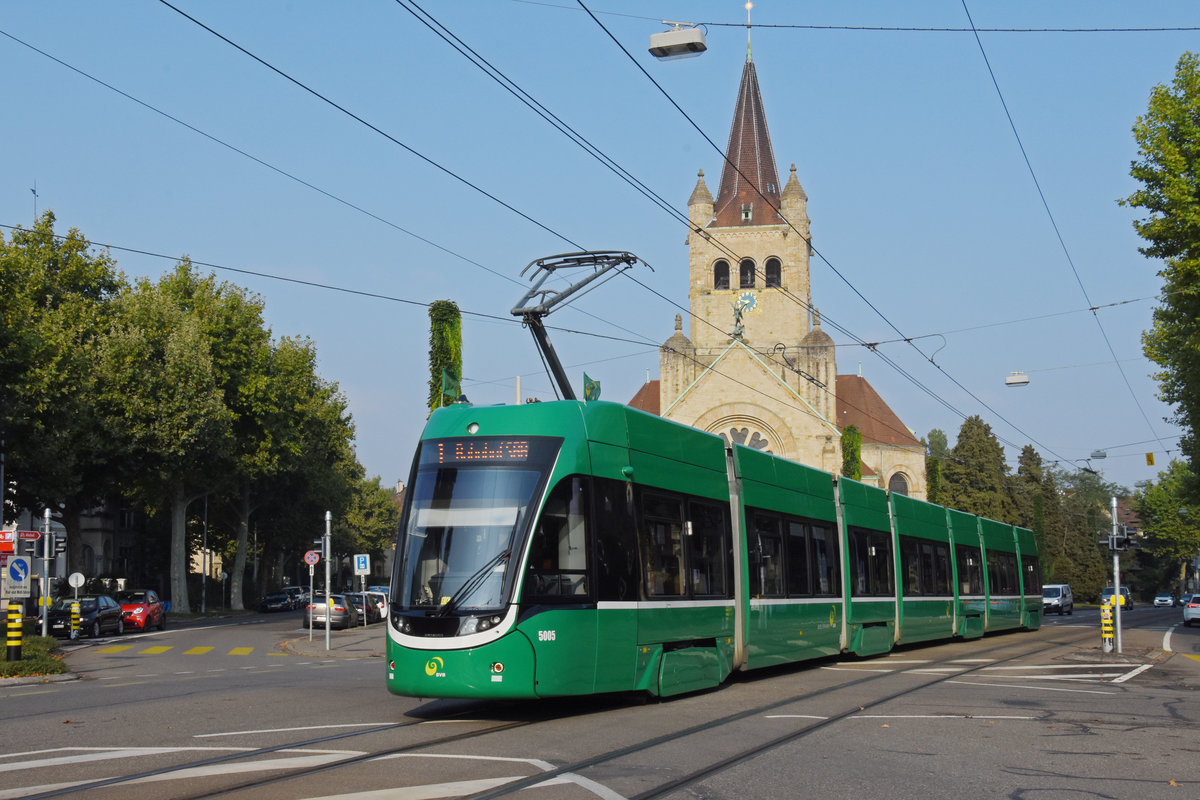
749,189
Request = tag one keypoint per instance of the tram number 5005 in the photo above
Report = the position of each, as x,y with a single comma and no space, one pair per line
547,636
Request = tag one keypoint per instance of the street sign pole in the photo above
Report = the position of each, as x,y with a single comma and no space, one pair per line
311,599
328,590
47,547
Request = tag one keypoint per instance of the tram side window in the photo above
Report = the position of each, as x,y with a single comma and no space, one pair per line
799,579
910,566
616,540
969,560
709,543
766,556
870,563
1031,571
825,561
662,544
1002,573
558,550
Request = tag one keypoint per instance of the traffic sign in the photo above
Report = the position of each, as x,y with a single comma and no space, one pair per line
16,578
362,564
29,536
7,539
312,557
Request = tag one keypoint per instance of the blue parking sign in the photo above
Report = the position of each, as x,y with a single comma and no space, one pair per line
362,564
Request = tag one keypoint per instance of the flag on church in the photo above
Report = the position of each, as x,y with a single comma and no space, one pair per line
449,386
591,388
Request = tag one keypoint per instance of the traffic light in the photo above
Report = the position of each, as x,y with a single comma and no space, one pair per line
60,545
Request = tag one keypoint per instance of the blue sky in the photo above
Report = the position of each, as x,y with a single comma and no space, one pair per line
919,194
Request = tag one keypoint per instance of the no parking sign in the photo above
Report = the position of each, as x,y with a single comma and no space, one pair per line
312,557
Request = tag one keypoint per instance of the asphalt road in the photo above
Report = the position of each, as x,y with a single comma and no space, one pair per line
251,708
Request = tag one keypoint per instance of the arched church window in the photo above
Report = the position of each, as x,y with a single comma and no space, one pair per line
774,268
898,484
746,273
721,274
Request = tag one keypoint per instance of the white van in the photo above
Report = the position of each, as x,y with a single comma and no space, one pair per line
1057,597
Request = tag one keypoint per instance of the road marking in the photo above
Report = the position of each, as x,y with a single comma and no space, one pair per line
1038,688
116,648
241,651
1133,673
197,651
290,730
158,649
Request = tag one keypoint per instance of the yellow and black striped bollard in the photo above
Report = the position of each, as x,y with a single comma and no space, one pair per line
1106,627
75,620
15,619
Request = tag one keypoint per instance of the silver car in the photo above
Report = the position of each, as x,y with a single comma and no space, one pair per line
342,613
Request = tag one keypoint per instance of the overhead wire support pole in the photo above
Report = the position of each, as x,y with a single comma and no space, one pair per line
538,302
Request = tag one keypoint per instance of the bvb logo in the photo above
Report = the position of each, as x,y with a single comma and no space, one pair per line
434,665
832,615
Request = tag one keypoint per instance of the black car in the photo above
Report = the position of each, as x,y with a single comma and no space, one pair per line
278,601
98,614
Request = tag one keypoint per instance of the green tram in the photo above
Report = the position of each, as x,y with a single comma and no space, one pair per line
568,548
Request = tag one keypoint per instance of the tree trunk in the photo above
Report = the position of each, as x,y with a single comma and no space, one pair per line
179,550
236,601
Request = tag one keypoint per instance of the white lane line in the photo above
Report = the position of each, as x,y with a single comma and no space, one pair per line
1133,673
1037,688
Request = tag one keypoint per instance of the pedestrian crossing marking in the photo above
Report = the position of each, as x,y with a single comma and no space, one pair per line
241,651
156,650
116,648
197,651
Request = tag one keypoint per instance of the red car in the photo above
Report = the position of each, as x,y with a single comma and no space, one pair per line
143,609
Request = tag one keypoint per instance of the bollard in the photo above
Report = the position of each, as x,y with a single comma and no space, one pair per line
75,620
16,617
1106,627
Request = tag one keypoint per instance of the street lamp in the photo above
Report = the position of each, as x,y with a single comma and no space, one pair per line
684,40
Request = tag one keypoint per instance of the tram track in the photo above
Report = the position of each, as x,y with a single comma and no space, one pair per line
574,767
667,787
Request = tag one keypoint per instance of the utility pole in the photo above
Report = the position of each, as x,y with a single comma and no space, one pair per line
47,553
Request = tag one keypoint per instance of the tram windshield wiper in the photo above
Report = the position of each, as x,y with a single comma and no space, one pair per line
472,583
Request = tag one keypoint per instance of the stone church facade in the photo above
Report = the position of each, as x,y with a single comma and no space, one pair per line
754,365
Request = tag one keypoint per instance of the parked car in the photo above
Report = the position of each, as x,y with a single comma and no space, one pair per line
367,609
299,596
277,601
1057,598
1126,598
1165,599
1191,610
380,601
98,613
342,613
143,609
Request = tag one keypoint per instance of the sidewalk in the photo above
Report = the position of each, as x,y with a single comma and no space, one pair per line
359,642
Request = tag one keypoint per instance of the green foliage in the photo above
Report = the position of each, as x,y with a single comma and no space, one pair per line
1168,169
37,659
445,349
852,452
975,474
1171,521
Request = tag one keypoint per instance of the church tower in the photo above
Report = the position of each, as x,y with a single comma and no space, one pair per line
755,366
752,367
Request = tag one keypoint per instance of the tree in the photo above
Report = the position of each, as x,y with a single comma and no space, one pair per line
935,451
1171,524
975,473
852,452
445,349
56,300
177,360
1168,168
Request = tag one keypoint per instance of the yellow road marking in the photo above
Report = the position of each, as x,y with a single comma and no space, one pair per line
241,651
116,648
1189,655
197,651
156,650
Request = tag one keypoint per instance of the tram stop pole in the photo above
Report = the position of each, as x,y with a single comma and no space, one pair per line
16,618
1106,627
